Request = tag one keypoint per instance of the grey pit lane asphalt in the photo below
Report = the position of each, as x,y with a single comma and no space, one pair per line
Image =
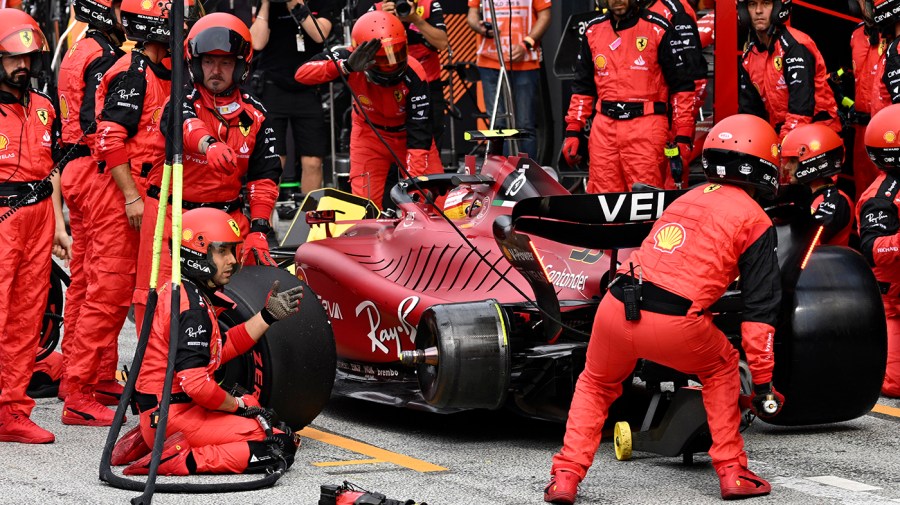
491,458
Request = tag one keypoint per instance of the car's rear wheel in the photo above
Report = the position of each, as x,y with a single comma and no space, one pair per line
292,367
473,369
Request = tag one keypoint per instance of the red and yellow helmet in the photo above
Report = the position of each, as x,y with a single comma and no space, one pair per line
203,230
742,150
390,60
147,20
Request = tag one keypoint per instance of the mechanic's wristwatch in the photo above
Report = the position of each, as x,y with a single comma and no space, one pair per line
261,225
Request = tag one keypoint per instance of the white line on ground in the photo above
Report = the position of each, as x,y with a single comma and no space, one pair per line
850,485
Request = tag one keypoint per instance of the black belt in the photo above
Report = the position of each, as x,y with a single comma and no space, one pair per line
654,298
229,206
860,118
631,110
390,129
23,194
147,402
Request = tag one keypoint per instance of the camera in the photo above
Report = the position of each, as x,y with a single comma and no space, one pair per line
403,7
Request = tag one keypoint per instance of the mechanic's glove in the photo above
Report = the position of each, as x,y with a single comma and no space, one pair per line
363,56
221,157
281,305
256,250
766,402
570,150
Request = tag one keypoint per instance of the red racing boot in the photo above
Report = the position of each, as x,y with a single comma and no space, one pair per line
175,460
15,427
82,409
738,482
130,447
562,488
108,392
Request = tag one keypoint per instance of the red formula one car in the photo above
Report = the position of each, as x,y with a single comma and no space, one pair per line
492,307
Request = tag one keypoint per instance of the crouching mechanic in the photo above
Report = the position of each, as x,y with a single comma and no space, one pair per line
812,155
879,230
227,140
721,226
206,432
392,89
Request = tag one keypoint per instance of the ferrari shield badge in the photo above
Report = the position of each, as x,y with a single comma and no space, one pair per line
398,95
641,43
43,115
26,37
234,227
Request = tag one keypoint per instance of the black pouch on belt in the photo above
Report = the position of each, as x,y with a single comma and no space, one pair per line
632,300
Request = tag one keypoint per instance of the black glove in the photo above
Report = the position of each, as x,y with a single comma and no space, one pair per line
300,12
363,56
281,305
766,402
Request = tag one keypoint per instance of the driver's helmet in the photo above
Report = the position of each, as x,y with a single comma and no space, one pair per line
818,149
743,150
390,60
882,143
203,230
781,12
461,203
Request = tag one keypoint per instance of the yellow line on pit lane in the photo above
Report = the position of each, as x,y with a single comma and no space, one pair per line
379,455
884,409
349,462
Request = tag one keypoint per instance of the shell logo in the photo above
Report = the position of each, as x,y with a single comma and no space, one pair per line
146,5
64,107
154,118
363,99
669,238
890,136
600,61
4,142
815,145
187,235
775,150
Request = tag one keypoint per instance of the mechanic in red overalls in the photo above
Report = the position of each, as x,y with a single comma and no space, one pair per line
884,14
812,155
226,142
393,90
634,76
721,231
879,230
31,219
79,75
208,429
126,146
866,48
782,76
683,18
427,36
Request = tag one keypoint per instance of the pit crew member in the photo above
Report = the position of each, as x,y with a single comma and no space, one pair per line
812,155
227,140
631,73
31,219
879,230
80,72
126,146
721,226
782,76
393,90
207,431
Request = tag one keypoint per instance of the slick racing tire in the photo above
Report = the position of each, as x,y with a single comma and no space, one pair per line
473,369
292,367
831,352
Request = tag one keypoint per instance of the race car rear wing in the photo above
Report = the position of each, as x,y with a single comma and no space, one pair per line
604,221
